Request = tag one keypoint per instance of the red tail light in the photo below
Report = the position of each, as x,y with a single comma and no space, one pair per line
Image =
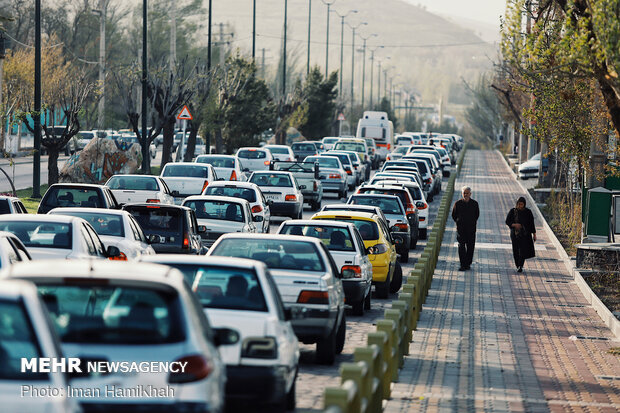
410,209
429,181
233,175
389,146
197,368
313,297
315,187
424,207
290,198
389,157
204,186
256,209
121,257
334,176
153,201
402,226
422,219
185,240
351,271
266,163
349,172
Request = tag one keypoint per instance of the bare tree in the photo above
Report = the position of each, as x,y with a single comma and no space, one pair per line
204,88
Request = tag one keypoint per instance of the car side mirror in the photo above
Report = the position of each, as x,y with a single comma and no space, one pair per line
154,239
257,218
294,313
225,336
220,179
419,204
302,186
270,202
113,251
245,170
202,229
175,193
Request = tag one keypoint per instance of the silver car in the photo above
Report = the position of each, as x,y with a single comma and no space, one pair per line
140,188
331,173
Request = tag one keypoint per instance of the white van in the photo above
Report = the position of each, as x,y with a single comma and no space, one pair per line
376,125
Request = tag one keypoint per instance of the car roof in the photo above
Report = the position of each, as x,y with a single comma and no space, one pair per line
313,222
201,165
219,155
69,185
93,269
254,148
377,196
242,235
157,206
276,146
210,197
397,182
235,184
60,210
272,173
134,176
389,187
369,216
202,259
9,198
14,289
63,219
333,207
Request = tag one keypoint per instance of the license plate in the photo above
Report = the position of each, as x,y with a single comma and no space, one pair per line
273,197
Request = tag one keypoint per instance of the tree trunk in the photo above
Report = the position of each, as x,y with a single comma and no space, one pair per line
168,132
52,165
611,99
191,141
280,137
219,147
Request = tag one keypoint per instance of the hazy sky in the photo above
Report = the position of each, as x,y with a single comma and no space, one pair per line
487,11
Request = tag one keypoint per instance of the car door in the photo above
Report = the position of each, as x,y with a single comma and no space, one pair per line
100,251
193,231
166,196
365,263
267,222
334,283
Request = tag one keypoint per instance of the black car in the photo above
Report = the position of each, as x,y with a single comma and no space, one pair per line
171,229
77,195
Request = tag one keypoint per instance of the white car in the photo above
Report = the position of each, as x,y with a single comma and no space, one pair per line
241,295
187,178
108,311
529,168
397,153
346,247
347,163
332,174
254,159
140,188
115,228
27,332
221,215
358,165
281,152
11,205
329,142
260,207
227,167
57,236
282,189
12,250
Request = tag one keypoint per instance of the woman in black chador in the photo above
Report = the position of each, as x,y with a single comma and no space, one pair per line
522,233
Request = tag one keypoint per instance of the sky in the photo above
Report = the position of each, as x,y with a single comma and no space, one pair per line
487,11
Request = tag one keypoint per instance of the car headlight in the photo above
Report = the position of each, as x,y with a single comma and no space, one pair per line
259,348
377,249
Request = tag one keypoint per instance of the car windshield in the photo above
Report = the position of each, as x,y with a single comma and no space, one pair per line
280,180
186,171
72,197
156,220
227,288
350,146
219,210
344,158
369,230
40,234
324,162
104,224
135,183
252,154
304,147
387,205
276,254
278,150
217,161
235,192
402,194
334,238
105,314
17,341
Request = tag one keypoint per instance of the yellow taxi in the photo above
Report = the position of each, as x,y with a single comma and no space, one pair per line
387,274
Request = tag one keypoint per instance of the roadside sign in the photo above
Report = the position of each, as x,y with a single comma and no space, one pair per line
185,114
341,116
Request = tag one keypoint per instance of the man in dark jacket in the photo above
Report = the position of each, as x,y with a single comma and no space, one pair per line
465,213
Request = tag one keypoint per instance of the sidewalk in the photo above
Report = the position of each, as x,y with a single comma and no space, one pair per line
491,339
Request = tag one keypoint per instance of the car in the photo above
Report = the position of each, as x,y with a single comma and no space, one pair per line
140,188
77,195
27,333
376,125
425,169
357,145
12,250
386,270
404,140
395,175
84,138
282,189
169,228
399,224
346,247
332,174
359,167
306,277
281,152
446,161
435,167
306,174
115,228
329,142
107,311
397,153
529,169
319,146
254,159
57,237
241,295
372,152
227,167
261,207
347,163
304,149
132,139
11,205
187,178
221,215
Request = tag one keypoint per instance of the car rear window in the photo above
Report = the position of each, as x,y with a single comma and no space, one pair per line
236,192
304,147
189,171
401,194
330,140
40,234
158,220
227,288
252,154
276,254
72,197
104,224
217,161
108,314
278,150
5,208
271,180
17,341
387,205
344,158
219,210
334,238
136,183
324,162
350,146
369,230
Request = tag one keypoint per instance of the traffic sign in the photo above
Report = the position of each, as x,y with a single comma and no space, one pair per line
341,116
185,114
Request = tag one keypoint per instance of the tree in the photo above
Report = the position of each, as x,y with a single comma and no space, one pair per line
320,97
384,105
484,114
202,97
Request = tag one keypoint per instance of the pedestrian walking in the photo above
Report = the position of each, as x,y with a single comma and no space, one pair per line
522,233
465,213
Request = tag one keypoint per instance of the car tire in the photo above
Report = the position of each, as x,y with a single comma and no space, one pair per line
326,349
397,280
341,334
290,402
382,289
368,300
300,215
404,256
423,233
414,242
358,308
315,205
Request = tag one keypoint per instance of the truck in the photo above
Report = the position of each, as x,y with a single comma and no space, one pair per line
376,125
305,173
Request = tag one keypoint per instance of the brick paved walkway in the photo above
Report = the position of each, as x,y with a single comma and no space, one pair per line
492,339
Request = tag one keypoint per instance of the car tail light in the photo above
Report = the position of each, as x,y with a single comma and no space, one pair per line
185,240
266,163
351,271
335,176
429,181
315,186
349,172
260,348
389,146
204,186
422,219
153,201
121,257
313,297
402,226
233,175
197,368
424,206
378,249
410,209
290,198
389,157
256,209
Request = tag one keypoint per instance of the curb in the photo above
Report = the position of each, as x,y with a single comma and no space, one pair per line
601,309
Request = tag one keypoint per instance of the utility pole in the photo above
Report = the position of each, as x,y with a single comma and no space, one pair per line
353,28
221,44
372,64
364,65
379,84
328,3
145,146
173,35
309,26
209,41
36,167
2,112
284,49
342,17
253,30
262,66
101,106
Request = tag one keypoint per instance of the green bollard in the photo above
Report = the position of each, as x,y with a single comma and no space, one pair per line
381,340
405,307
345,397
371,355
409,298
399,319
358,373
390,328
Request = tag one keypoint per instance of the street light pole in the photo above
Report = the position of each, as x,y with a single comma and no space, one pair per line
372,75
353,28
284,51
253,30
342,17
101,106
145,146
328,4
379,84
309,25
364,65
209,40
36,167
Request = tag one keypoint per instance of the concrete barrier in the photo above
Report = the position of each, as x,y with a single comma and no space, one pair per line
390,328
381,340
398,317
346,397
405,308
371,355
359,374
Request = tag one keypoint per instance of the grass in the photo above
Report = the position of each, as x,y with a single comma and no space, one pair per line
31,204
